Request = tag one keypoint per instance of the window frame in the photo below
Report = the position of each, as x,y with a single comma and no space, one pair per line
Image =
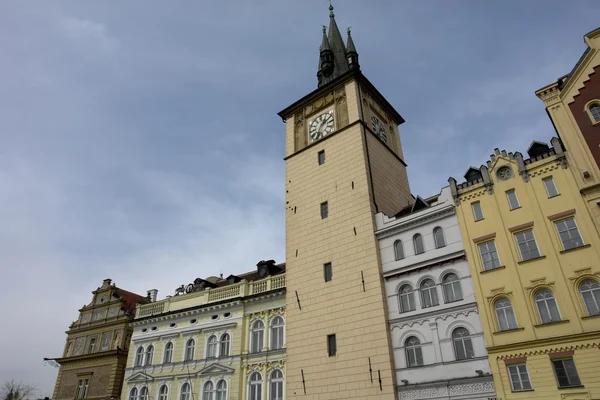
255,386
277,381
208,391
92,345
595,295
550,179
163,394
511,206
331,345
519,373
188,395
562,361
327,272
321,157
496,308
324,210
149,356
133,394
451,284
487,243
463,342
545,302
280,327
259,333
527,243
212,346
220,390
168,353
418,238
442,237
409,295
571,217
224,345
591,114
430,291
190,350
417,352
144,393
398,245
82,388
475,208
139,357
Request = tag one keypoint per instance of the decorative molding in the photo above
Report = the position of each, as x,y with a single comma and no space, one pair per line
447,390
535,283
404,226
548,350
433,318
484,237
545,170
516,228
566,213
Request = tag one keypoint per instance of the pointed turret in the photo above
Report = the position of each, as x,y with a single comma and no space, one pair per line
351,54
337,51
325,59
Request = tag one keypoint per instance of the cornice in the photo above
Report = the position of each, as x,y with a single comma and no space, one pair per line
401,226
432,262
443,314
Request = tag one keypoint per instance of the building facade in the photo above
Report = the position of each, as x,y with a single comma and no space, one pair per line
344,163
437,337
93,361
534,256
216,339
573,105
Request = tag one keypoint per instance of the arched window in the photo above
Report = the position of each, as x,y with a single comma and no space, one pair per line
595,112
276,385
139,357
149,355
414,356
163,393
438,236
133,394
143,393
211,347
208,391
222,390
590,292
168,357
255,386
505,314
277,326
546,306
225,341
463,347
452,290
186,391
407,298
190,348
428,294
257,333
418,244
398,250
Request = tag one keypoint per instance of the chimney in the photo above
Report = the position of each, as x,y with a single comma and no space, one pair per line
106,283
152,295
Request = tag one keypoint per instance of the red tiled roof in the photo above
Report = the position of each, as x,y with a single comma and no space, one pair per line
131,299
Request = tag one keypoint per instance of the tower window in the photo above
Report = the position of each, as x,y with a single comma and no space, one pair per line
477,211
324,210
327,272
321,157
331,345
595,112
513,201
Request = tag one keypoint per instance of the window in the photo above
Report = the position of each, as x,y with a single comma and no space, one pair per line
149,355
327,272
225,341
418,244
438,237
595,112
463,347
546,306
590,292
208,391
186,391
428,294
398,250
143,394
163,393
569,233
92,345
190,348
276,385
222,390
505,315
489,255
331,345
168,353
82,387
519,377
277,326
255,386
133,394
321,157
452,290
211,347
139,357
324,210
527,245
477,211
407,299
414,356
550,187
257,332
513,201
566,373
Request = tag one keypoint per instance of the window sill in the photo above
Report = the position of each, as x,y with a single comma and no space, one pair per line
576,248
556,195
453,301
516,208
508,331
591,316
531,259
485,271
564,321
521,391
480,219
570,387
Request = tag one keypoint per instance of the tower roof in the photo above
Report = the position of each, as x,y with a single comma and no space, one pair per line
336,45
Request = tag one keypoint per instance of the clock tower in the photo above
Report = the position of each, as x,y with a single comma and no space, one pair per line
344,163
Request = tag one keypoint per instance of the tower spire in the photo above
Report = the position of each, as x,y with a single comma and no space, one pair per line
351,54
337,50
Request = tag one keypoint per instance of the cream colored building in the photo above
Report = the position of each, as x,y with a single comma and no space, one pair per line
216,339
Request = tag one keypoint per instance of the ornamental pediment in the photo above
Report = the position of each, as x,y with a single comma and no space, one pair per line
139,377
215,369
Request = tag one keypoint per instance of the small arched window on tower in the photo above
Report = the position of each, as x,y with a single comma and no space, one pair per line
418,244
438,236
398,250
594,110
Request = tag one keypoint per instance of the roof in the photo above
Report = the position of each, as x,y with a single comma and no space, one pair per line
131,299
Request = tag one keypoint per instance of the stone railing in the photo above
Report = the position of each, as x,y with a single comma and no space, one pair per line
150,309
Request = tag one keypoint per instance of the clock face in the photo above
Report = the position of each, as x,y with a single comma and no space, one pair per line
321,126
379,128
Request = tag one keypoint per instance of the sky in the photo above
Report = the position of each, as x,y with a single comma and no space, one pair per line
140,141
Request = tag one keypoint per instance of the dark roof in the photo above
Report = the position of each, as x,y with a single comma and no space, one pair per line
537,149
131,299
417,206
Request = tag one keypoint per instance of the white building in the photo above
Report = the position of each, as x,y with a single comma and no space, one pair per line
437,338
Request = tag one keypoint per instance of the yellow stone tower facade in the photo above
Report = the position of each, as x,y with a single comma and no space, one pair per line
344,163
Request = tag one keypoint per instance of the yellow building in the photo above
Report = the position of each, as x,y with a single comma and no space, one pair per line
95,353
573,104
344,163
215,339
534,256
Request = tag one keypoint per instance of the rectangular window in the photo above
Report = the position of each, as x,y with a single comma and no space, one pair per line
513,201
519,377
566,373
527,245
324,210
321,157
82,387
550,187
331,345
569,233
92,346
327,273
489,255
477,212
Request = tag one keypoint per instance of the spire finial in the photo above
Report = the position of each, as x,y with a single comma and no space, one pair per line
324,29
331,14
349,28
